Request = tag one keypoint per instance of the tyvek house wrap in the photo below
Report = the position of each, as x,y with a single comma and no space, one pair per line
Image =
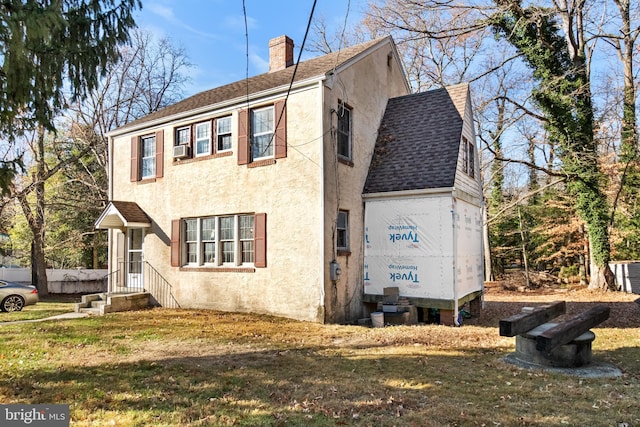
412,244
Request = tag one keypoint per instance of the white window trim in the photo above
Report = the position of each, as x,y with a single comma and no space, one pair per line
240,240
196,140
187,242
272,133
218,134
152,157
219,259
202,241
222,241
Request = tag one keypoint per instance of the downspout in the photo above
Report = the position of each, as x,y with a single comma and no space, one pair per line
455,257
483,249
110,196
322,214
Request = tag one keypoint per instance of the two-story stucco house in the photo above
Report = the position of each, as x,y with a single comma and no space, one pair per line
249,197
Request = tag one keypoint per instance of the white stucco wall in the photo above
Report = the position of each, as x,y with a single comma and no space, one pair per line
366,87
301,195
286,191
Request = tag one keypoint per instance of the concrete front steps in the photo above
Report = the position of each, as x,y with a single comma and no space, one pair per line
101,303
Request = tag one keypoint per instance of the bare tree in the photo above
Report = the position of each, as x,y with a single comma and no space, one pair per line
149,76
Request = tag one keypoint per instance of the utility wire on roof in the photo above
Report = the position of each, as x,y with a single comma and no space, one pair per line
246,36
304,40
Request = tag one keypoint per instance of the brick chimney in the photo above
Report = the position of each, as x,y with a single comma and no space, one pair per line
280,53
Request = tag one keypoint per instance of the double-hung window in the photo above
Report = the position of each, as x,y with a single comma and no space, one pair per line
227,239
344,132
203,138
208,240
148,161
262,134
223,240
220,241
247,234
223,132
183,136
262,128
342,231
147,156
191,240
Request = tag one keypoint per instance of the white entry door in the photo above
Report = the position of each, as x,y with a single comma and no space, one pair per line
135,237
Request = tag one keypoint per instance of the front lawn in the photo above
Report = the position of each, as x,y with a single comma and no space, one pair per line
165,367
48,306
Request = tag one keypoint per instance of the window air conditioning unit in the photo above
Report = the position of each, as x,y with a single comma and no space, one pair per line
180,151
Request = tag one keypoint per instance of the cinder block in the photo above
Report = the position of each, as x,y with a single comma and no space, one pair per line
446,317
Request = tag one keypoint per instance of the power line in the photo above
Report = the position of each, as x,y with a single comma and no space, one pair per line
295,70
246,37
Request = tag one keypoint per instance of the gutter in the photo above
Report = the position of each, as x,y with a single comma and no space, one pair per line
231,104
263,95
408,193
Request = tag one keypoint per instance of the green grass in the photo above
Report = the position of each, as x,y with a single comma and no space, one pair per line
202,368
46,307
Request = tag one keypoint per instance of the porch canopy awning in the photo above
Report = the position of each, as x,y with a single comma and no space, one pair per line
123,215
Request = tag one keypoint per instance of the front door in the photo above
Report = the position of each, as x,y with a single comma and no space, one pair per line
135,258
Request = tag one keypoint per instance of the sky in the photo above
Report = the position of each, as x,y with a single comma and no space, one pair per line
215,39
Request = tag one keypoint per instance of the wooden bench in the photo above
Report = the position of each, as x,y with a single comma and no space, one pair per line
565,344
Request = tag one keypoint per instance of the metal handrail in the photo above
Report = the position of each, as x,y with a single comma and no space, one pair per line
140,276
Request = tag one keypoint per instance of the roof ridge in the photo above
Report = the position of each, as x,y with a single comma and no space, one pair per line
307,69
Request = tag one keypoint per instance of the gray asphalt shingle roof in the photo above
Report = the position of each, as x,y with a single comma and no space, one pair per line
418,141
314,67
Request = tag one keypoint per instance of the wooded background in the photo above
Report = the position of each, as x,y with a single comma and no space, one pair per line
554,93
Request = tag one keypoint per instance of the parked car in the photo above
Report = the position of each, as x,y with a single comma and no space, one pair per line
15,296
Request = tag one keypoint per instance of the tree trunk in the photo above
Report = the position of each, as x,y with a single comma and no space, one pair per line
38,260
602,278
525,259
36,221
